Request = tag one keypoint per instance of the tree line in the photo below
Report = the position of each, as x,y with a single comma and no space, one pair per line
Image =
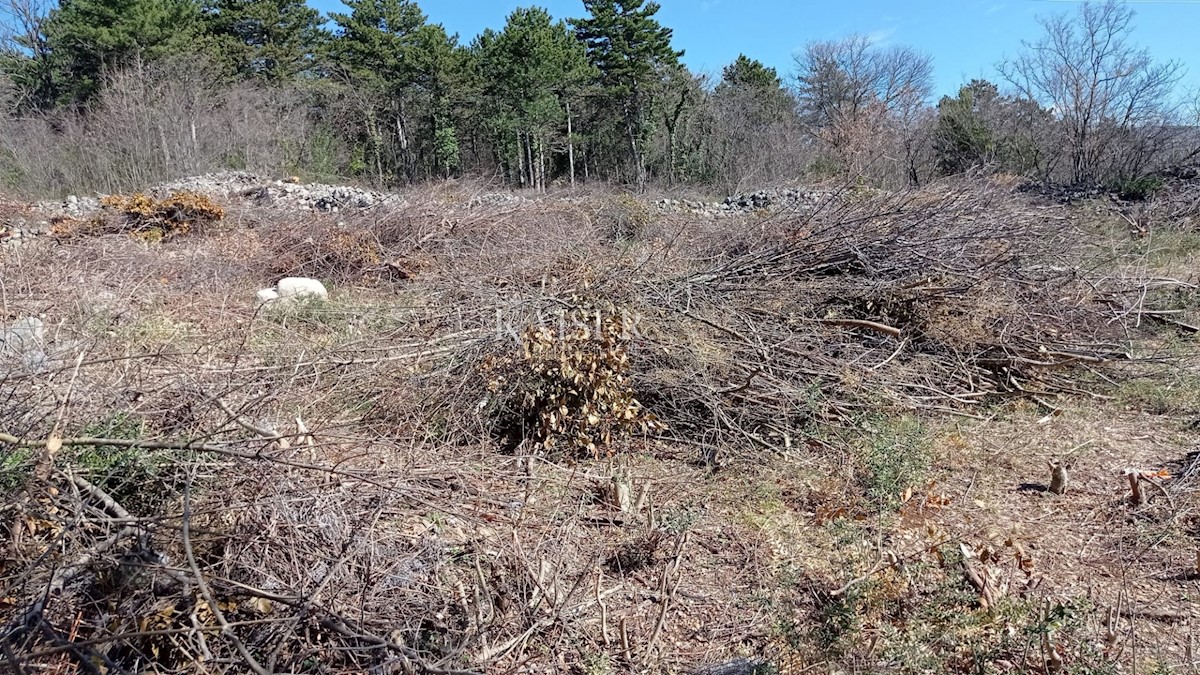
104,92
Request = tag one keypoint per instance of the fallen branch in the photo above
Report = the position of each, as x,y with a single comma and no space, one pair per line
860,323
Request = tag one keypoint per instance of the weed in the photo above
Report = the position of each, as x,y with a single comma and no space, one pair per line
677,522
131,476
155,331
597,664
1161,395
624,218
306,309
1137,189
638,553
15,465
896,457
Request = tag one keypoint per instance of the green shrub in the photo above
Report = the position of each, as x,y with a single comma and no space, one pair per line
132,476
895,457
1137,189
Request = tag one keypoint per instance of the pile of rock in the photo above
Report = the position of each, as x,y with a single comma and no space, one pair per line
231,185
314,196
748,202
19,230
280,193
495,199
71,207
784,198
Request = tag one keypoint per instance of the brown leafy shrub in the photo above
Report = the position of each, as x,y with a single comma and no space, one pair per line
156,219
568,388
66,226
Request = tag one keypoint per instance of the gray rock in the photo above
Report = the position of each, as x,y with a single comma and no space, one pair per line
23,335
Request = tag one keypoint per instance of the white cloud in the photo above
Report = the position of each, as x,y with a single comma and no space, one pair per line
881,36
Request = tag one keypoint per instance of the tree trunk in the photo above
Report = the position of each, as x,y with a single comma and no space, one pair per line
541,165
529,160
570,145
166,152
402,137
521,159
639,168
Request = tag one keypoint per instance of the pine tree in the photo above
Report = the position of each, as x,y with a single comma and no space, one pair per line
750,73
632,53
533,70
758,89
269,39
90,37
387,49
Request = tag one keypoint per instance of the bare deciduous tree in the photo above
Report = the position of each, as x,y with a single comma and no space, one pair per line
24,52
1111,99
859,97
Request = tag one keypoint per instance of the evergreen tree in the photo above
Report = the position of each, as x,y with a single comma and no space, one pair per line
533,70
962,138
89,37
980,127
441,65
632,53
759,88
750,73
387,49
269,39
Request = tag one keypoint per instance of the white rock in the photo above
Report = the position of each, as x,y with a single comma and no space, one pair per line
264,296
289,287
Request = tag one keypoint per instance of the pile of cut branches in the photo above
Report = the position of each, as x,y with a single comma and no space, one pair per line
324,489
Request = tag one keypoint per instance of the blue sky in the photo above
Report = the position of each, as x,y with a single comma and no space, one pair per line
965,37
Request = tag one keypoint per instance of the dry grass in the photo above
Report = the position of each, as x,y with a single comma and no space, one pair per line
328,487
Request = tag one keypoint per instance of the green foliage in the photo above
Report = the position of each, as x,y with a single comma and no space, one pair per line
750,73
963,138
378,41
531,72
29,64
894,458
88,38
15,467
269,39
632,54
410,72
132,476
980,127
1137,189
